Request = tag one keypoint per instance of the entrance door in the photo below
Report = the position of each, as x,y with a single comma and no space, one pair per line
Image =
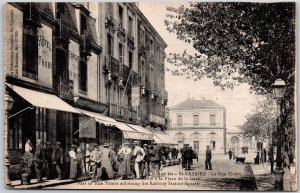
196,147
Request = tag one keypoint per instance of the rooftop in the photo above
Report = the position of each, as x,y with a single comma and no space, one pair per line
196,103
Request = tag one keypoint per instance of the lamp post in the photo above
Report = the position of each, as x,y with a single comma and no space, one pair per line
183,141
279,90
8,106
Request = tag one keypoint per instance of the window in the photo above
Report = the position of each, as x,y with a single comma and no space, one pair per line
30,53
179,136
196,145
151,46
212,119
109,45
143,39
179,120
130,59
130,26
121,15
196,120
15,132
83,26
121,54
83,75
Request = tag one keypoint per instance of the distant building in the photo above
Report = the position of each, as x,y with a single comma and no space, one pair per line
236,142
199,123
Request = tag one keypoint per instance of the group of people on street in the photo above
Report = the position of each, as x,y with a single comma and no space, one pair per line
99,161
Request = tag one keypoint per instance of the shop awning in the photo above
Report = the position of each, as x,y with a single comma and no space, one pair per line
99,117
158,140
139,128
164,137
43,100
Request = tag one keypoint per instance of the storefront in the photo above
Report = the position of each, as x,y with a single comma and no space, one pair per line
37,115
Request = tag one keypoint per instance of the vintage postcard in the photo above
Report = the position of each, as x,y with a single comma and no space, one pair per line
150,96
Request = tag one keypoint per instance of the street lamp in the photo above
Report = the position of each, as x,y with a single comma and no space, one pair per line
8,106
279,90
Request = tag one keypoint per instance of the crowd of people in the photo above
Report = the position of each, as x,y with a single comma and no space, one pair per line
100,161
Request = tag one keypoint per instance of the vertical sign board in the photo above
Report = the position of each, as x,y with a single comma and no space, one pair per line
45,56
135,96
87,127
74,64
13,40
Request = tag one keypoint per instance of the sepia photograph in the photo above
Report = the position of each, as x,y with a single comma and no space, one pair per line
150,96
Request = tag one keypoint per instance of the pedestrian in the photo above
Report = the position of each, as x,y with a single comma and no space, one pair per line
73,162
138,154
48,159
39,159
125,155
87,158
106,163
155,160
230,154
188,157
93,159
182,151
80,162
208,157
28,146
147,160
58,159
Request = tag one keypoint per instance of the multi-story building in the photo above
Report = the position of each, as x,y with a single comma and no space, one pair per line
92,72
199,123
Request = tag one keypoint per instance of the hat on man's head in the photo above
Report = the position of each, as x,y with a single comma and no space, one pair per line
73,146
57,143
105,145
207,146
126,143
154,143
145,145
136,142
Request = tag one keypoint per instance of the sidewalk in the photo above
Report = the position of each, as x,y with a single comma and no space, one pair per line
46,183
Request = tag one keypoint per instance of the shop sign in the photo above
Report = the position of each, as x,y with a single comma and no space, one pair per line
13,39
89,105
157,119
137,135
135,96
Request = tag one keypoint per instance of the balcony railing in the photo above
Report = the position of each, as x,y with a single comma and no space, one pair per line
130,40
125,72
112,65
64,87
121,31
123,112
110,22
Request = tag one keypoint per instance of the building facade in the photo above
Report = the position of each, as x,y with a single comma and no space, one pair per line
93,72
199,123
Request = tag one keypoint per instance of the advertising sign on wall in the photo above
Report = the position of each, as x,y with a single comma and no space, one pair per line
73,64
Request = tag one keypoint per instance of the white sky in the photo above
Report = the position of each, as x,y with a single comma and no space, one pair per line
238,102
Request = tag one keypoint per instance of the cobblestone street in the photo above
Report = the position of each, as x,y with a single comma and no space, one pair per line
224,176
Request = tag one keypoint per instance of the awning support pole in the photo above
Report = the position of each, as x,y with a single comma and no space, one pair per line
31,107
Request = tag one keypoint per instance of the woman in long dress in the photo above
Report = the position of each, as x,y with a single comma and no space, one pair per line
125,155
73,162
106,162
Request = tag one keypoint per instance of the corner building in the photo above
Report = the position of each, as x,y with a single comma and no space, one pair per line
93,72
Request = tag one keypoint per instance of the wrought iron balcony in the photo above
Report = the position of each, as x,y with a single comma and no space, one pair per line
121,31
110,22
112,65
122,112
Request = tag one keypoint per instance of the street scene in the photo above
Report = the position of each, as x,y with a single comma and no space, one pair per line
112,95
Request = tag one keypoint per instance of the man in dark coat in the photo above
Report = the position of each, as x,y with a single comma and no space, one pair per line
58,159
155,159
188,157
208,158
48,159
182,151
230,154
39,159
